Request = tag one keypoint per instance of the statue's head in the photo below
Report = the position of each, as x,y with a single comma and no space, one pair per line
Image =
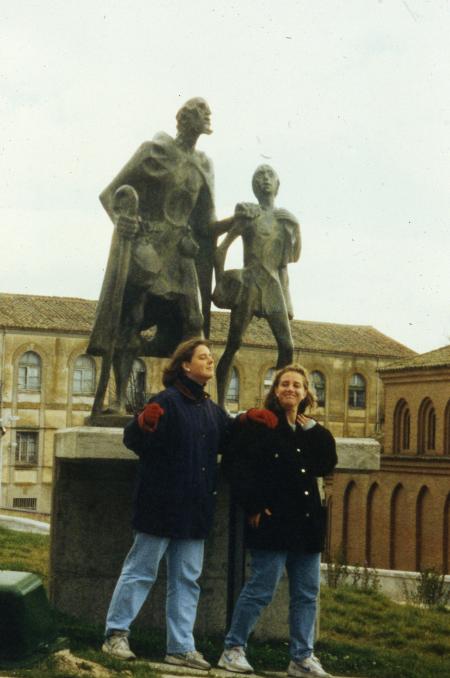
265,181
195,116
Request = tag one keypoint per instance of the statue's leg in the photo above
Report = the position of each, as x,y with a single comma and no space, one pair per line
281,330
239,321
192,317
128,346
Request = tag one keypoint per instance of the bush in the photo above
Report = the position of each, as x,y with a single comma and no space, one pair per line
431,589
338,573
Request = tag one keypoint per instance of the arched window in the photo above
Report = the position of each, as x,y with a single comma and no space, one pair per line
350,536
232,396
83,375
401,555
268,379
29,372
357,391
318,381
423,533
136,386
426,427
402,427
446,538
447,429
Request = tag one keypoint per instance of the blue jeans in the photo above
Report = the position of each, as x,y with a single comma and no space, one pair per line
304,583
184,562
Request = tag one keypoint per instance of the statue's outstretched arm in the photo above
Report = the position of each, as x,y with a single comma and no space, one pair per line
221,251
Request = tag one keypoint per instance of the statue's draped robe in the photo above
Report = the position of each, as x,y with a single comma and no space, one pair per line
172,253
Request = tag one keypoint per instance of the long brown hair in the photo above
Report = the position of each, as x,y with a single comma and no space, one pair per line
271,401
183,353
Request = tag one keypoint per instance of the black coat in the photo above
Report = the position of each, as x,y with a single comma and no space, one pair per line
177,473
277,469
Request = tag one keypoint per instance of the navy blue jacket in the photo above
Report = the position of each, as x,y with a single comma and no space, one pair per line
276,469
177,473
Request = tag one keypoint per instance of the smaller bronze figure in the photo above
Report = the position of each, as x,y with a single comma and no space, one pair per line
271,240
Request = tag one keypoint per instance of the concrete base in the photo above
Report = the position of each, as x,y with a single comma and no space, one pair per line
91,534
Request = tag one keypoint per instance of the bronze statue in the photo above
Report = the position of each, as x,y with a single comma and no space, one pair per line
161,253
271,240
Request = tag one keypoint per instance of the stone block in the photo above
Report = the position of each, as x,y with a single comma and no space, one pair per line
358,454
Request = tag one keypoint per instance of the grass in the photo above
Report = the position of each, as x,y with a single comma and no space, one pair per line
23,551
362,633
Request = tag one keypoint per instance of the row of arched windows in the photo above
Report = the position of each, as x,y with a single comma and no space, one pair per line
84,380
426,428
411,540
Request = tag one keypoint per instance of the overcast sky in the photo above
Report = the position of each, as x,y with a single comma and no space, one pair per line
349,100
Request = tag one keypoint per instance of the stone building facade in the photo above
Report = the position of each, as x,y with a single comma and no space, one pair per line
48,382
399,518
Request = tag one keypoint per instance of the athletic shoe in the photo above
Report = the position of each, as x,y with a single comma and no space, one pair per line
194,660
117,646
234,659
310,666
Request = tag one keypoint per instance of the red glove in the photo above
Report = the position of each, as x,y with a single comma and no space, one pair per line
266,417
149,417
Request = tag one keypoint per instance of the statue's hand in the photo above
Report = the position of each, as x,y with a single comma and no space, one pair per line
127,227
247,210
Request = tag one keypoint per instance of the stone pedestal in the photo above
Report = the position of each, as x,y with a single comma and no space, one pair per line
91,534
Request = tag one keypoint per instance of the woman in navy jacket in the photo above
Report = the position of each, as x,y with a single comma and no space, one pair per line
273,474
177,437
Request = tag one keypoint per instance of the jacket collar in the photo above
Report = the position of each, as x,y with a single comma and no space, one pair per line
191,389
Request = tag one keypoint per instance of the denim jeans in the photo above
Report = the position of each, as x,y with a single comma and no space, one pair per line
267,567
184,562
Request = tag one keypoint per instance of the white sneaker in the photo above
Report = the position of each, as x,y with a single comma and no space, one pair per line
234,659
310,666
193,660
117,645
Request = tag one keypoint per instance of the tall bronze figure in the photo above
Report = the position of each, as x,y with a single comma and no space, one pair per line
271,240
159,269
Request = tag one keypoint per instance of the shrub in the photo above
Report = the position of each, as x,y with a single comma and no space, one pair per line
431,589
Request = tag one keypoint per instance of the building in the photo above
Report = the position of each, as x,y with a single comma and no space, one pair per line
48,382
399,518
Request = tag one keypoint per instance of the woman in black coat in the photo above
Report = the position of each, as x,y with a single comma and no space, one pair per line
273,468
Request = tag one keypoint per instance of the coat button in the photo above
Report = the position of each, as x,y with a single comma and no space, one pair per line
306,492
298,449
276,455
203,468
307,515
302,470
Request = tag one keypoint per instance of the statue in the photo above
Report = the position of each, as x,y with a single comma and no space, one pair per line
161,254
271,240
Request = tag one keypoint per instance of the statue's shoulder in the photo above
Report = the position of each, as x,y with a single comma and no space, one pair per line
204,162
284,215
161,142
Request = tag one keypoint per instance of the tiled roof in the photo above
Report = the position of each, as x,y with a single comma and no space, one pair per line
440,357
39,313
67,314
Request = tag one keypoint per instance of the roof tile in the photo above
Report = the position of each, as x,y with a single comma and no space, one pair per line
68,314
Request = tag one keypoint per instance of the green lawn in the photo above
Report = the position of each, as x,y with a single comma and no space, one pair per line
362,634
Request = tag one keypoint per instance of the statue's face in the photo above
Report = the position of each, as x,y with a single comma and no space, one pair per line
200,116
265,181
